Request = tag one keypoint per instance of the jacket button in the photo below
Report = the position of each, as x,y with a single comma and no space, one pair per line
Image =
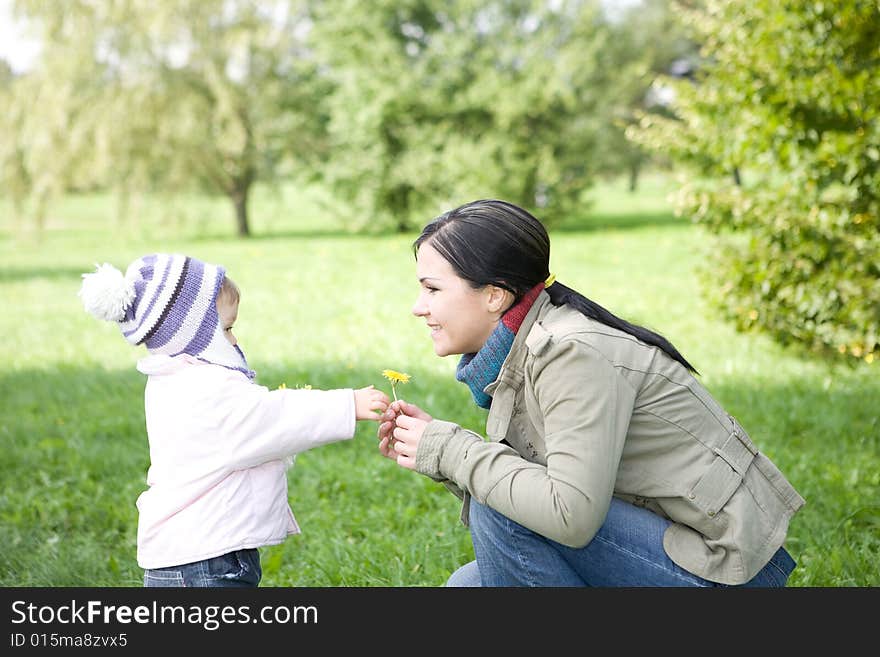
711,512
691,496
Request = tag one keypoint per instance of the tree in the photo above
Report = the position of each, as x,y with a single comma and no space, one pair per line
14,179
647,40
787,96
49,129
213,93
438,102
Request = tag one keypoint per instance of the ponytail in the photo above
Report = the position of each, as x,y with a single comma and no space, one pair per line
562,295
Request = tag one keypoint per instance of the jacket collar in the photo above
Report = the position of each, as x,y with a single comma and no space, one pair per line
513,369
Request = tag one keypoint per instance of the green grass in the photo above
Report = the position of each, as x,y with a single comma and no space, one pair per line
332,310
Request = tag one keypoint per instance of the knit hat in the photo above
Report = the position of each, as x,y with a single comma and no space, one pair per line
167,302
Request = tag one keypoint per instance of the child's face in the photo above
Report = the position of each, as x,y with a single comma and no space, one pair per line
228,311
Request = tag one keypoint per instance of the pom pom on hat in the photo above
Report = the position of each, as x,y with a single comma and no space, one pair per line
106,293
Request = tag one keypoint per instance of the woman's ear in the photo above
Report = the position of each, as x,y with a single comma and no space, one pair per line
498,300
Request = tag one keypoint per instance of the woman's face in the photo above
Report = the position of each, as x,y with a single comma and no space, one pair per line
460,317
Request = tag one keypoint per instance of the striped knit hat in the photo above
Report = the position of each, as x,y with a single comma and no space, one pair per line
167,302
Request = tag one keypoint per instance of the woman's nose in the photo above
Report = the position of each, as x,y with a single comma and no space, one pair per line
419,309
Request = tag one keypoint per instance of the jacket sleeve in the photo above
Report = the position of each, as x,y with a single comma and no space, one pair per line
586,406
260,425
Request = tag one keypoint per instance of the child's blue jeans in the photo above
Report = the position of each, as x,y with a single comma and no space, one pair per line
235,569
626,551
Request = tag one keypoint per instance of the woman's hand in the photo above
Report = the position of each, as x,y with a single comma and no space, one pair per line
407,435
391,422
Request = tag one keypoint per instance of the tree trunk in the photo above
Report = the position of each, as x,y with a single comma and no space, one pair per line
18,212
123,207
240,200
40,211
634,168
398,204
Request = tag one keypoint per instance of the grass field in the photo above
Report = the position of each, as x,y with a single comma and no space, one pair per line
328,309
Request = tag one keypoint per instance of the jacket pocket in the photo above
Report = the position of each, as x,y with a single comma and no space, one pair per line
718,483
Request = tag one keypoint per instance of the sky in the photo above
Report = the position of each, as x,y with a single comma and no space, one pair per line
15,48
19,51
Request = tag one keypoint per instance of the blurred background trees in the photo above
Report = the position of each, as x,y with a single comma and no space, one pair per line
402,109
141,96
780,133
436,102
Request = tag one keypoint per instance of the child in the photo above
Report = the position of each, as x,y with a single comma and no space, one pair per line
219,443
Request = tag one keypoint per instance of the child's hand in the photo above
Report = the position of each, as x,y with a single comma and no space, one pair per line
370,403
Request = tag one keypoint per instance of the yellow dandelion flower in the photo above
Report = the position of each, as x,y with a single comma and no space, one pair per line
395,378
283,386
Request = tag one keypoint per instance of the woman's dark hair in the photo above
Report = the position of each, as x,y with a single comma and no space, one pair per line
491,242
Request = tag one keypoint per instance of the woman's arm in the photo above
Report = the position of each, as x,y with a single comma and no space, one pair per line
586,409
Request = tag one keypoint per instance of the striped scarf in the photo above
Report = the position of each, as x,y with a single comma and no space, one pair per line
479,369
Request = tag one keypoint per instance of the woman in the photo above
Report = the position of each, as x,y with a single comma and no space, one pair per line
607,463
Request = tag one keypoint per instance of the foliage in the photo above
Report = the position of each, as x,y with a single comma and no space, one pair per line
14,179
403,108
788,101
141,95
646,40
437,103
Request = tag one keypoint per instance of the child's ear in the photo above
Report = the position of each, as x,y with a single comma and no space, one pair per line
498,300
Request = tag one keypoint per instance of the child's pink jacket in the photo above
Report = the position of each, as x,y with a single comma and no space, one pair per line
220,446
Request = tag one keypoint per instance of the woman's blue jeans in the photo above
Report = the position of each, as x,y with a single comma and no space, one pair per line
240,568
626,551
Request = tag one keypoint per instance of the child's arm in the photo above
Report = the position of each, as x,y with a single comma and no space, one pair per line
262,425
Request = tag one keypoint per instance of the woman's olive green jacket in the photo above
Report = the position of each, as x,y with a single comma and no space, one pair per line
582,412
